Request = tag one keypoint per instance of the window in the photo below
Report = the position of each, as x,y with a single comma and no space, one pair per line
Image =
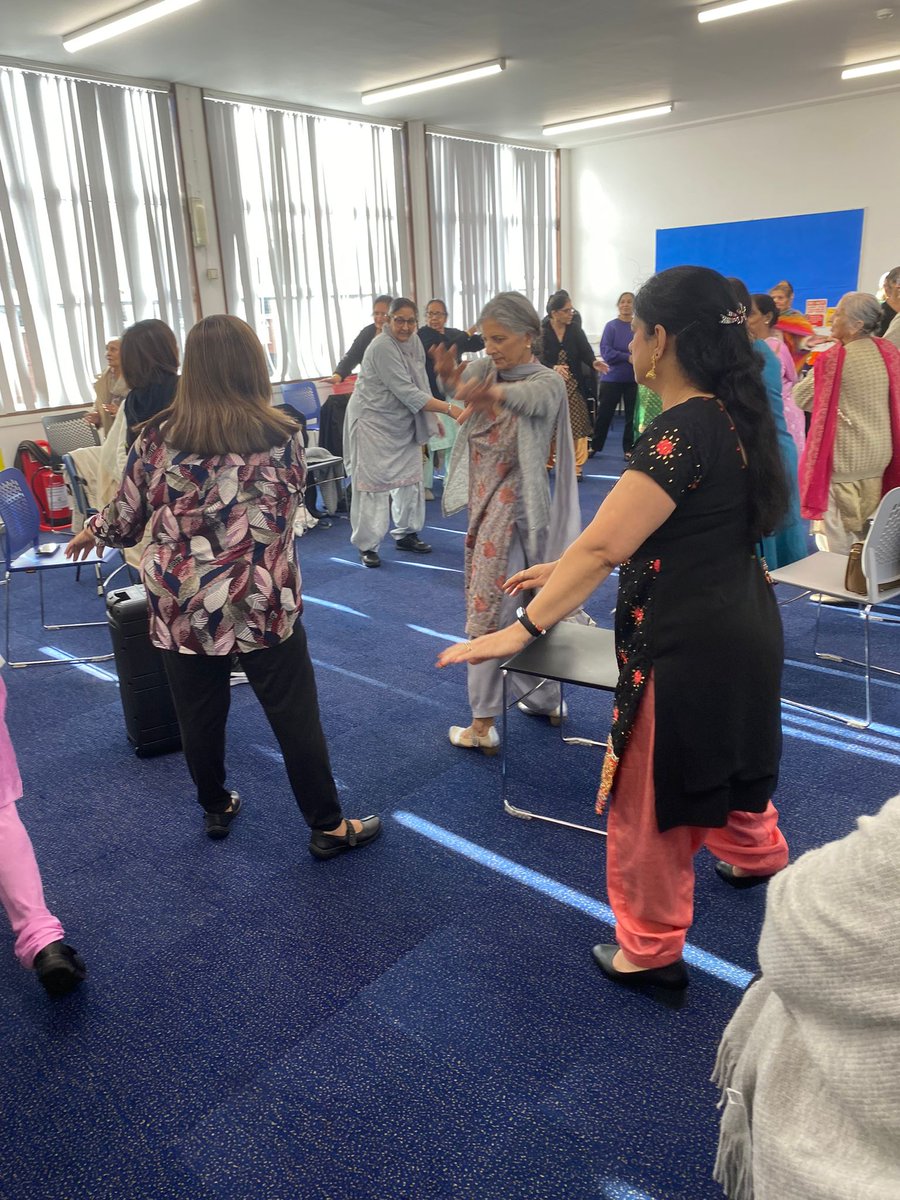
312,222
92,232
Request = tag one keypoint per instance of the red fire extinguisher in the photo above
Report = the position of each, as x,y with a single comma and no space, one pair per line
47,484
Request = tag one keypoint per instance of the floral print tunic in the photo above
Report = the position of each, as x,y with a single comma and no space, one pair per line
220,568
494,508
695,608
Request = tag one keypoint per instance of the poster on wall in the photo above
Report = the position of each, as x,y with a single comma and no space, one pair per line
815,312
817,253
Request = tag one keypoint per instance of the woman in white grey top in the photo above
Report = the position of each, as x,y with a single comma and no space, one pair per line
810,1064
384,435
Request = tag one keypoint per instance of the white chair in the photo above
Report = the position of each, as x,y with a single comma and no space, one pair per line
824,572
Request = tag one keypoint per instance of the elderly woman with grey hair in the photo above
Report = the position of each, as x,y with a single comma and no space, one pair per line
514,407
890,325
852,453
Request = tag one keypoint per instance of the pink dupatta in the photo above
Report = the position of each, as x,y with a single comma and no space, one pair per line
817,461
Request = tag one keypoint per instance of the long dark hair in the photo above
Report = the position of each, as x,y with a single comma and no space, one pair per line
717,356
148,353
224,400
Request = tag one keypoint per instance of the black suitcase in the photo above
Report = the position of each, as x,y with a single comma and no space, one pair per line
150,720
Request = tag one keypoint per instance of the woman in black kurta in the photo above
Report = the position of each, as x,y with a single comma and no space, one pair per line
693,755
564,347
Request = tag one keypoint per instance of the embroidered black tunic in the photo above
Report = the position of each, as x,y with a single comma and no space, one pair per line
695,608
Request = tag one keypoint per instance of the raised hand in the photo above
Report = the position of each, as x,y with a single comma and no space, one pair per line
530,579
447,366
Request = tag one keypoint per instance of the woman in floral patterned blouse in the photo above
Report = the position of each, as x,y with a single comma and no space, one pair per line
696,739
217,479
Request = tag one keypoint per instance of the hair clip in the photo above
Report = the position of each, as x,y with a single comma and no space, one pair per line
734,318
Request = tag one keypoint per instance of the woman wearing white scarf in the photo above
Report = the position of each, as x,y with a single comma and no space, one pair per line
385,431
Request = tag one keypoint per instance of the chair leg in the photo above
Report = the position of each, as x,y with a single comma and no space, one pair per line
841,719
50,662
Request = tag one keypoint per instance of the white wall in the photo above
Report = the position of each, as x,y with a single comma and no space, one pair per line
816,159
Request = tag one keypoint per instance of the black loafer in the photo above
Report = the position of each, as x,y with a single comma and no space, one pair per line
674,976
370,558
328,845
217,824
725,871
412,541
60,968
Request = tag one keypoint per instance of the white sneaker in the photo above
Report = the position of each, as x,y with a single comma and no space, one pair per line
554,716
487,743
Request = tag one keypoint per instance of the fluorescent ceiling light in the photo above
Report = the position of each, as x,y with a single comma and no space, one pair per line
616,118
430,82
874,68
735,8
122,22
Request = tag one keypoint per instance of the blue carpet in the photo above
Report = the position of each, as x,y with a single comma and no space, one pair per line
419,1020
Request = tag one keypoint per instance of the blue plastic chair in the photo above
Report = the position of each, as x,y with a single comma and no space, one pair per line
303,395
21,533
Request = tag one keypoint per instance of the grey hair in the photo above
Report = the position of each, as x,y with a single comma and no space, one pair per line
893,276
402,302
863,307
514,312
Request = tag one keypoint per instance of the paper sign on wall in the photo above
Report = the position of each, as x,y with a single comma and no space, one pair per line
815,312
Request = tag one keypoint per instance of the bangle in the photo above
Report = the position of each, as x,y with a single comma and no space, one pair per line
523,617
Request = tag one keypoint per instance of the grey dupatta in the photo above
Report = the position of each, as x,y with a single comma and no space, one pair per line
550,523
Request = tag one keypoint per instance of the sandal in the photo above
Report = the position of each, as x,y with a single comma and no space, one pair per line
488,743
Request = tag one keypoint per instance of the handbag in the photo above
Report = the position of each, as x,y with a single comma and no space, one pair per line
854,578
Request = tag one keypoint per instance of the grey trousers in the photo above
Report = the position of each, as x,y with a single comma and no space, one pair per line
485,681
370,514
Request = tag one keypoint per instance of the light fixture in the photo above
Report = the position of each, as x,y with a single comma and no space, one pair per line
872,68
735,8
614,118
430,82
122,22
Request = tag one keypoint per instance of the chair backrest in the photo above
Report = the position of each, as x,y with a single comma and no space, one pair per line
69,431
303,395
76,485
19,513
881,549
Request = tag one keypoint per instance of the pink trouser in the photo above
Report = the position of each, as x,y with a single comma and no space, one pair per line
21,891
650,875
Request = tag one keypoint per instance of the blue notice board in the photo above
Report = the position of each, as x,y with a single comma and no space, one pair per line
818,253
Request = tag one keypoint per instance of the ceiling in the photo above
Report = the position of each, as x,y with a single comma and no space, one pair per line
564,61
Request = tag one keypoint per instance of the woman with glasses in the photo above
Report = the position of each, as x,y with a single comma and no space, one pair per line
386,430
565,348
363,340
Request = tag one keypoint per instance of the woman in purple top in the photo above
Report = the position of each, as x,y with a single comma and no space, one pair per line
618,383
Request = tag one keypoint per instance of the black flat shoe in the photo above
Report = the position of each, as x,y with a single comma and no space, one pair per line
370,558
217,824
413,542
60,968
328,845
674,976
725,871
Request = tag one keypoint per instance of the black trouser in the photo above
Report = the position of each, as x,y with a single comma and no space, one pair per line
282,678
607,402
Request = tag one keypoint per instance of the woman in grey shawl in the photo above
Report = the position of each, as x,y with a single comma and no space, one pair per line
514,407
809,1066
384,435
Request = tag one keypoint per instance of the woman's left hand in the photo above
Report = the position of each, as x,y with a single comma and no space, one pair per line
502,644
82,544
477,396
600,366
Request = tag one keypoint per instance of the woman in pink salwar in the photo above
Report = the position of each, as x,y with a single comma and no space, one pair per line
39,935
761,321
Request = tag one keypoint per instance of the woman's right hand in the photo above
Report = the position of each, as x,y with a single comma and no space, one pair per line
530,579
562,369
446,366
93,418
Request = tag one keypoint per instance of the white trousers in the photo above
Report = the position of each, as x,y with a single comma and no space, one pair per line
370,514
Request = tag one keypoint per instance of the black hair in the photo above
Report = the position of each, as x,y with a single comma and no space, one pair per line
436,300
719,357
382,300
767,306
557,301
402,302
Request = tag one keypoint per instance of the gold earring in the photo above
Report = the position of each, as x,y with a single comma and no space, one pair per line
651,374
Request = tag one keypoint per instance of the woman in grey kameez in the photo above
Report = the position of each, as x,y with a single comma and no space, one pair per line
498,470
385,432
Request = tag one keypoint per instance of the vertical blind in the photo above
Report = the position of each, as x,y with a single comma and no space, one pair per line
494,222
312,223
92,233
